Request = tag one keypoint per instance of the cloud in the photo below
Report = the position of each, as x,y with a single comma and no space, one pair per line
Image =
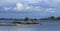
19,6
47,7
28,8
51,10
7,8
31,8
34,1
33,5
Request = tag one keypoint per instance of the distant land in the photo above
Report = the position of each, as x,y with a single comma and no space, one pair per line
27,20
48,18
21,21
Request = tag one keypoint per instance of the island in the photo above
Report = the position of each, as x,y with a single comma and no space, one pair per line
17,21
26,21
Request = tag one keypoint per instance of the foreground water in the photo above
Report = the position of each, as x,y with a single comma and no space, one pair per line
46,26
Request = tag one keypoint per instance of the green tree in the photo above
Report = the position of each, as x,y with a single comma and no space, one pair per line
51,18
58,18
26,19
35,19
14,21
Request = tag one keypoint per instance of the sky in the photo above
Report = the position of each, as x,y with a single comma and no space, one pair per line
29,8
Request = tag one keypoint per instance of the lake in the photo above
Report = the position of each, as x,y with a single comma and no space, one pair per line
45,26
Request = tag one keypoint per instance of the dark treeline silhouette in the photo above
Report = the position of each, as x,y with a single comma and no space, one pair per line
26,18
51,18
10,19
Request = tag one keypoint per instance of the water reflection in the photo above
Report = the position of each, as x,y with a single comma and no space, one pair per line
46,26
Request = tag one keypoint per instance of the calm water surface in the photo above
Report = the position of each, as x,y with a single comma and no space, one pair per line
46,26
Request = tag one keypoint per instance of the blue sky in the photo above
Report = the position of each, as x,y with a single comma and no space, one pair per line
29,8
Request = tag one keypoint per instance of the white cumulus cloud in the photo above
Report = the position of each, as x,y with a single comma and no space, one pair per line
28,8
19,6
6,8
51,10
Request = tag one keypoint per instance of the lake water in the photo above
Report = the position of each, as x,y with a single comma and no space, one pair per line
45,26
